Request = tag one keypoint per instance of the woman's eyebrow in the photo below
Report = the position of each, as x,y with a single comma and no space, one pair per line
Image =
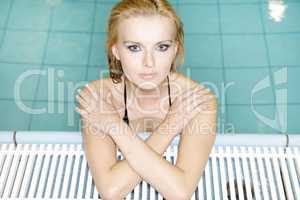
128,41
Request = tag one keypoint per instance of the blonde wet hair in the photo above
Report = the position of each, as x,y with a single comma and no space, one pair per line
131,8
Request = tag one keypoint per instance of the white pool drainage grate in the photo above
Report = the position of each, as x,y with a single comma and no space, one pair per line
60,171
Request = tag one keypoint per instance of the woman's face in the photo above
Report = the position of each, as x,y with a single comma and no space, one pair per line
146,45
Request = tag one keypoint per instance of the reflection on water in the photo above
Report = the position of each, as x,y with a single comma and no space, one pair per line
54,3
276,10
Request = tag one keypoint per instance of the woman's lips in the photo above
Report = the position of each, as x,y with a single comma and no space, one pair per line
148,76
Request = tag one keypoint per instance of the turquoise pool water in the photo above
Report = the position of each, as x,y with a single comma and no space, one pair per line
52,47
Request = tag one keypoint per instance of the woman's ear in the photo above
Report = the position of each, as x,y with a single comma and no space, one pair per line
115,51
176,48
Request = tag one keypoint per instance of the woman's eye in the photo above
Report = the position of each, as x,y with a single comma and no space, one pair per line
133,48
164,47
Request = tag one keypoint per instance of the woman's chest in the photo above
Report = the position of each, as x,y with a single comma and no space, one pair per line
145,124
143,120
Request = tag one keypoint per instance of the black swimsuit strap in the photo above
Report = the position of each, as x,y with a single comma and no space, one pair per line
125,118
170,103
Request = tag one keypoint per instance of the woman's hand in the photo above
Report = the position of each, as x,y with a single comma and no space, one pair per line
97,110
185,107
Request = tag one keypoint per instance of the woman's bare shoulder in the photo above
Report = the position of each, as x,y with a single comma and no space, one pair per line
101,86
180,82
186,82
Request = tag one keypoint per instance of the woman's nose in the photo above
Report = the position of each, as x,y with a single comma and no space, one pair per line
148,60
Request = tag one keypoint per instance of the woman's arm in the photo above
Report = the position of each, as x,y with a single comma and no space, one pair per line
123,177
167,179
181,180
115,179
135,144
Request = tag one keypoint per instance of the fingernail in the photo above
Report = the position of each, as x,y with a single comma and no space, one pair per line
78,90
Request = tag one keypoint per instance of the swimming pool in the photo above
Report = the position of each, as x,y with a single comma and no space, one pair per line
245,51
231,45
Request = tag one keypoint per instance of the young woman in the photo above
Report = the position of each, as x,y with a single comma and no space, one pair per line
145,93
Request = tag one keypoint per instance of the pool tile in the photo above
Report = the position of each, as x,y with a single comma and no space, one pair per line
102,14
244,51
290,22
1,36
239,1
293,125
284,49
68,48
61,117
79,18
14,115
231,16
30,14
197,1
23,77
291,85
4,10
241,83
95,73
221,119
203,50
98,51
244,119
23,46
205,18
65,82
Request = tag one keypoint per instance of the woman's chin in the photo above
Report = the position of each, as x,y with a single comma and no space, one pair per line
150,86
147,84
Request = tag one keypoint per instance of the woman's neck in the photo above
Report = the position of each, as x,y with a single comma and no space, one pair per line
143,97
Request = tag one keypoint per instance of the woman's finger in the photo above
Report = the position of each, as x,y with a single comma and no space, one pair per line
195,89
195,93
82,112
83,94
89,107
203,103
92,90
199,98
81,101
